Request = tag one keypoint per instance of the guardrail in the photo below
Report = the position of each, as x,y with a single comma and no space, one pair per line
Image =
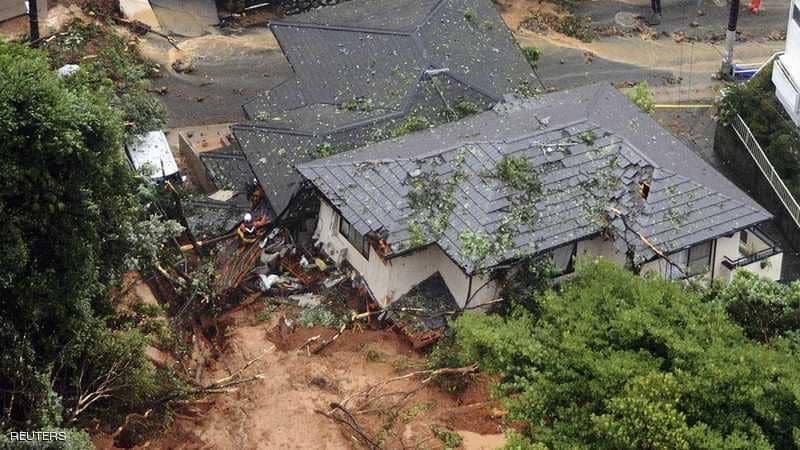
754,148
750,259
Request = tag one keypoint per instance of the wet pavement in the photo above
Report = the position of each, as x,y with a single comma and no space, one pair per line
228,70
679,15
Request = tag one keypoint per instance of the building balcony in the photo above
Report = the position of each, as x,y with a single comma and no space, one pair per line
759,254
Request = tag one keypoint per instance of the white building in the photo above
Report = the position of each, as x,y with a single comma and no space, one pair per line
786,71
614,184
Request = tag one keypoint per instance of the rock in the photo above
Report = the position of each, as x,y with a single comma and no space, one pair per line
183,66
497,413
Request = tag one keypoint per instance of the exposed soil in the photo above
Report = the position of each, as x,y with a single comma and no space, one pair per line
279,410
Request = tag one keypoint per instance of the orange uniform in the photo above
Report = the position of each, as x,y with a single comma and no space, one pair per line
248,231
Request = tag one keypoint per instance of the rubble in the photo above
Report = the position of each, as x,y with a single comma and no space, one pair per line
182,65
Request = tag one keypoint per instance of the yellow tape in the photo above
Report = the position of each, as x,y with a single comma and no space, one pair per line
684,106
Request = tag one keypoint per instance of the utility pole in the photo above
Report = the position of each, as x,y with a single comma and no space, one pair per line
730,40
33,15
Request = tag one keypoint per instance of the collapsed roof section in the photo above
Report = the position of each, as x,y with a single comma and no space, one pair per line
591,152
362,68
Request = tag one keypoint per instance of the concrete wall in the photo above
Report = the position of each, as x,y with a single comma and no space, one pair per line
748,177
793,34
390,279
12,8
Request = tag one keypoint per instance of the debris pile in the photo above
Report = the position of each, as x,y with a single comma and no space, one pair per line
421,314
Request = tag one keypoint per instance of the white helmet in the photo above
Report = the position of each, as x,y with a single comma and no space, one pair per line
248,217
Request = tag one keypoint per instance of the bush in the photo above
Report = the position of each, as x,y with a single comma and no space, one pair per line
641,96
319,315
71,207
773,129
763,308
532,55
620,361
450,439
410,124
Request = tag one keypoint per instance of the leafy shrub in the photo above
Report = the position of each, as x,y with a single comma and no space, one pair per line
450,439
764,309
319,315
410,124
619,361
642,97
141,112
323,150
446,353
466,108
470,15
532,54
525,90
773,129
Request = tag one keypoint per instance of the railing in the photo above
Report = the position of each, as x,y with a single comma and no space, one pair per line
753,147
750,259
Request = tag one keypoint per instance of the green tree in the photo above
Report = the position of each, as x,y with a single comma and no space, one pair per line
67,197
615,360
764,309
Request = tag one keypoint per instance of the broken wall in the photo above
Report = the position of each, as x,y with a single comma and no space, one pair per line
390,279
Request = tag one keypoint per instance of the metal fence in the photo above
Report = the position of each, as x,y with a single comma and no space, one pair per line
753,147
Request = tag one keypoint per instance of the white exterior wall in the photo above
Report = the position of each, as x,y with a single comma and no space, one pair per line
389,279
724,246
793,35
786,72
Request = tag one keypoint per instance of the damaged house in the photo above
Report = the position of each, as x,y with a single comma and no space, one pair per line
579,172
370,70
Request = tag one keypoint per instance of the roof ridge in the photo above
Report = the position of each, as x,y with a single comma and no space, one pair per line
351,29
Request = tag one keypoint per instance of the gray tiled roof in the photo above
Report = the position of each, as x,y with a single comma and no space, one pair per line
585,178
228,168
375,51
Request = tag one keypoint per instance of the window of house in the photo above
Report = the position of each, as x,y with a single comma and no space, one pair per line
690,262
355,238
563,258
699,258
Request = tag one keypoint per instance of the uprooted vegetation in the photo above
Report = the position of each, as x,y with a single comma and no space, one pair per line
110,61
561,21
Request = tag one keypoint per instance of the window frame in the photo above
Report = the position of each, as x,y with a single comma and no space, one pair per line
571,263
690,259
351,234
684,259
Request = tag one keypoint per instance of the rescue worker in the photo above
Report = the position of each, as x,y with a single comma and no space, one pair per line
655,19
255,193
248,229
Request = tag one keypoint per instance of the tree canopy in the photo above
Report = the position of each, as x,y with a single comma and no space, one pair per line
66,198
615,360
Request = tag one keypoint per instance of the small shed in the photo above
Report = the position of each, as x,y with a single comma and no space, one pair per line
150,151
